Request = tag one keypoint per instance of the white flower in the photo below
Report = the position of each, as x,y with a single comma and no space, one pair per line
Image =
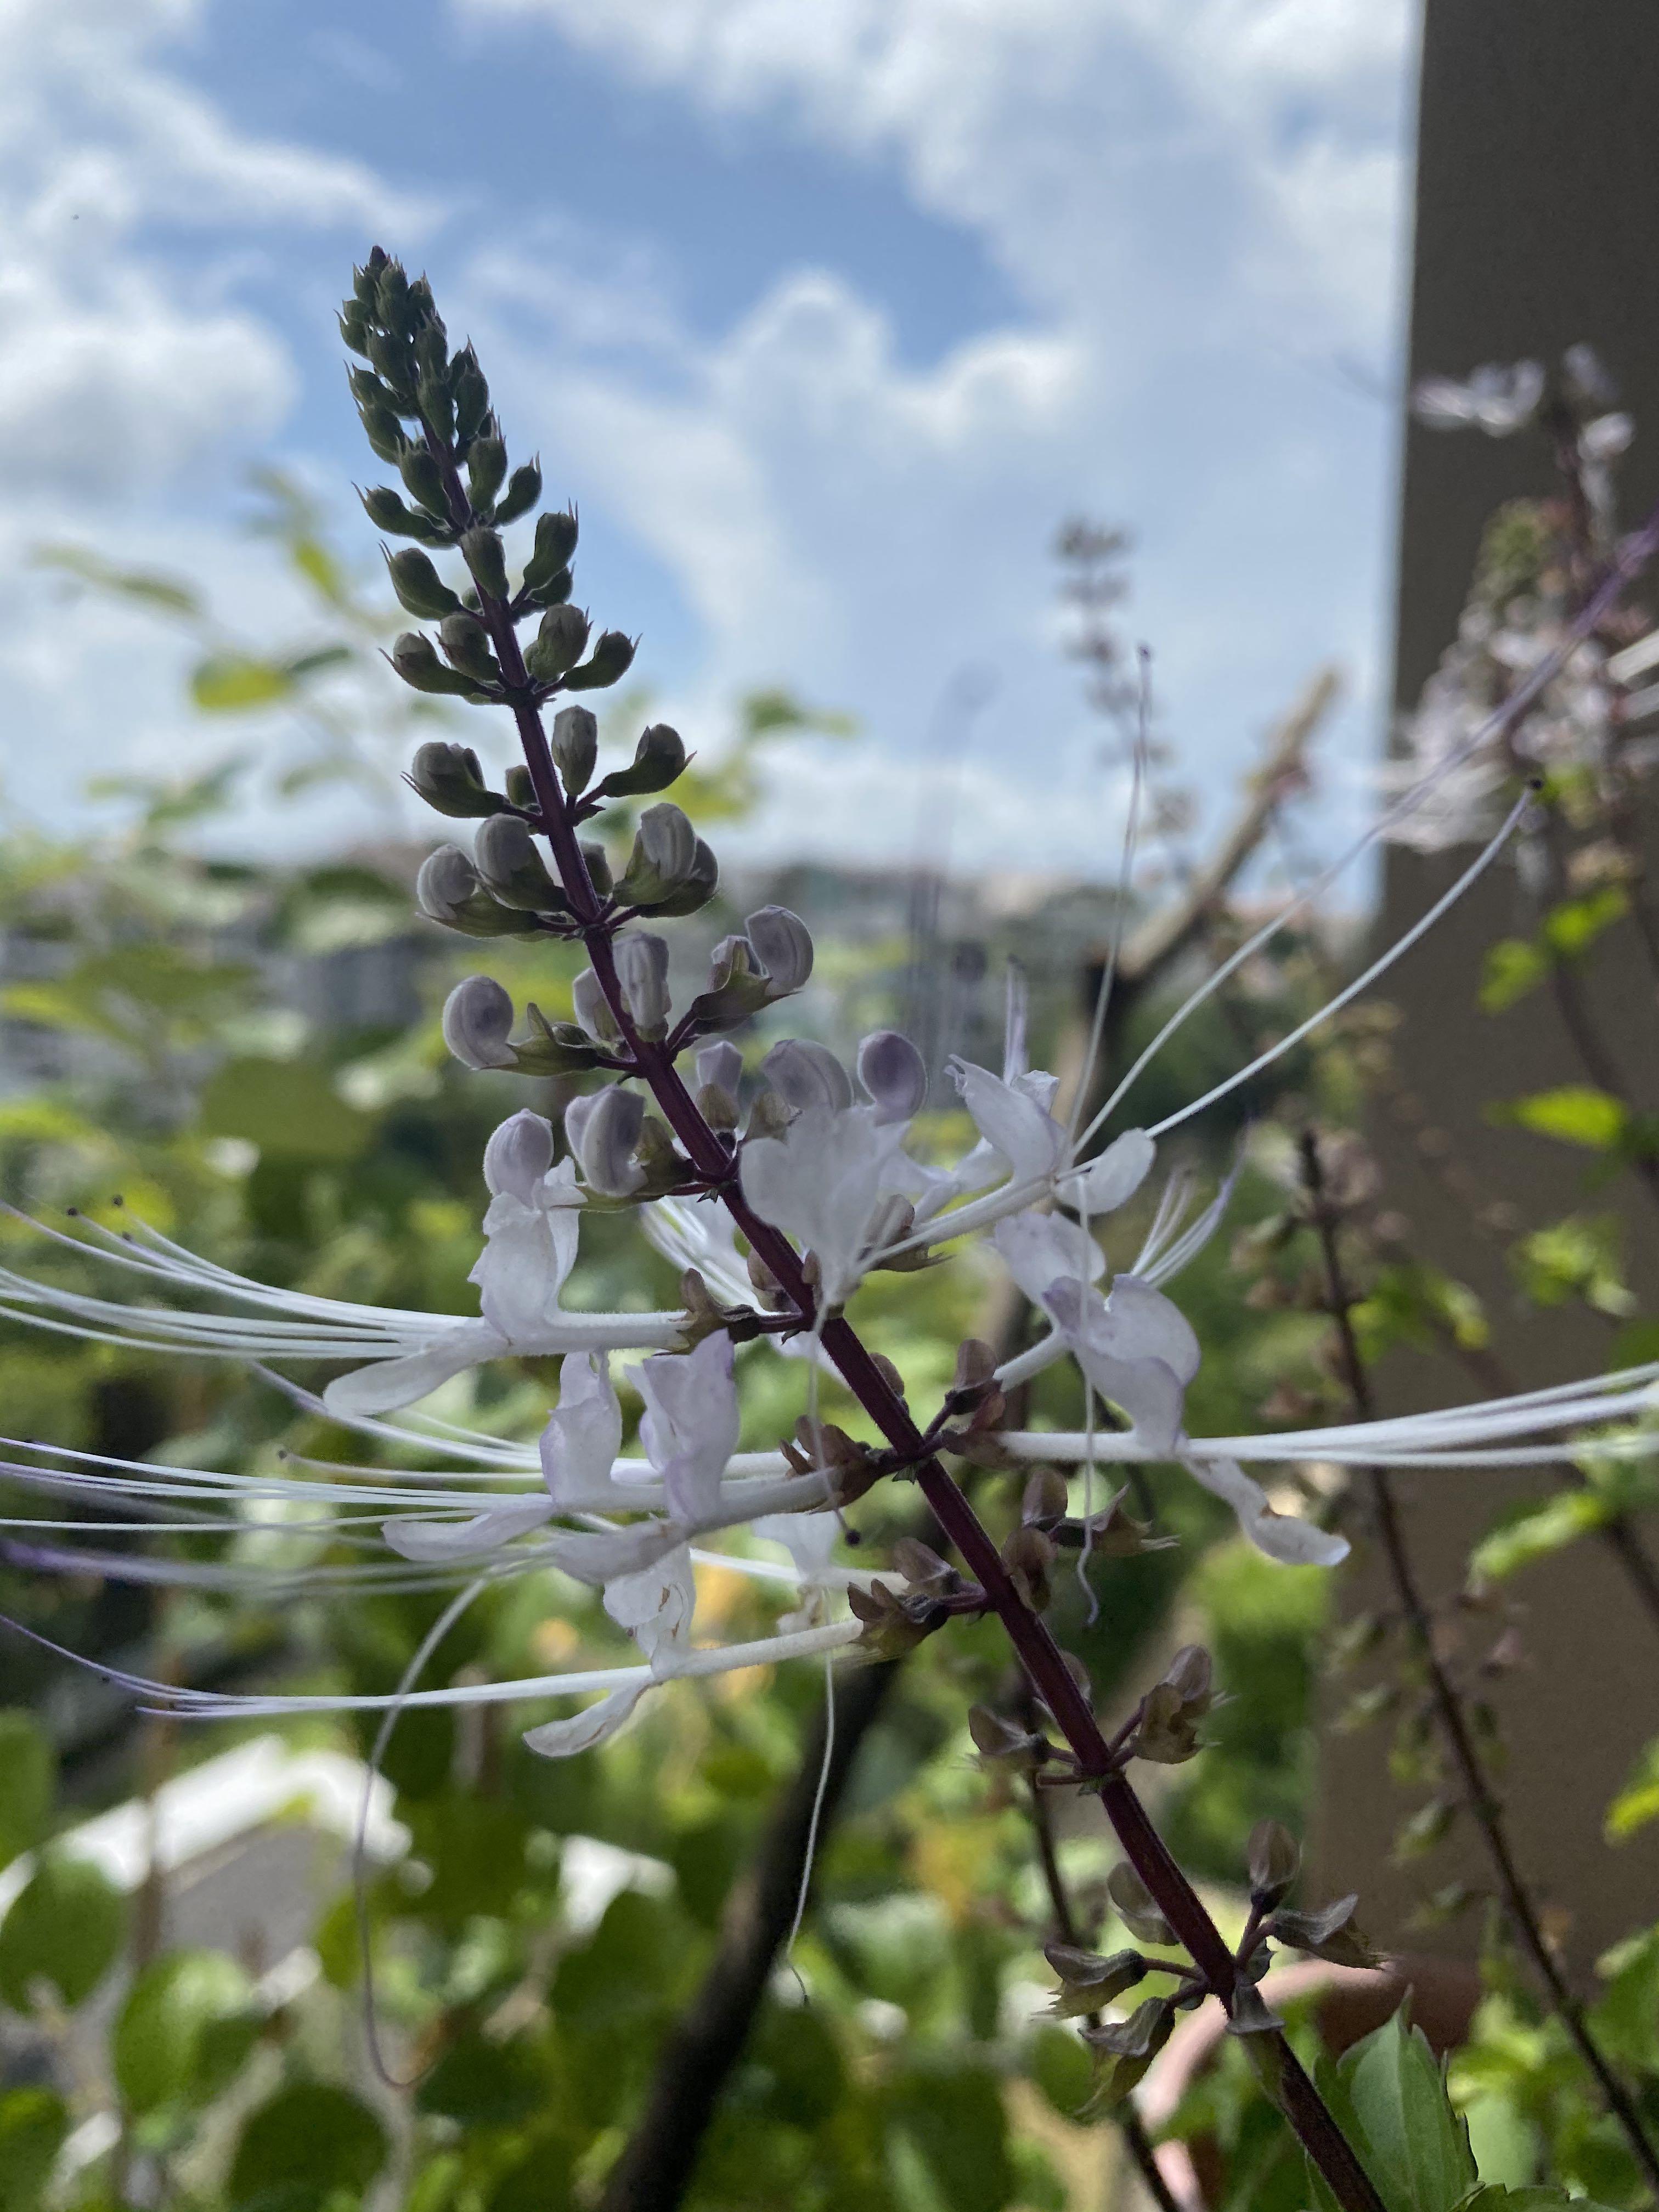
689,1430
1136,1348
822,1182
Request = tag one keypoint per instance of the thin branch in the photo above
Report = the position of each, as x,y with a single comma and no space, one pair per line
1167,935
701,2049
1482,1804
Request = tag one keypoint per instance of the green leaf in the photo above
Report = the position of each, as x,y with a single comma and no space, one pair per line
1513,967
1637,1803
289,1107
234,683
33,2124
183,2032
955,2119
1573,1112
1413,2143
27,1772
303,2144
1573,926
1539,1535
1061,2066
485,2085
65,1928
165,593
1495,2197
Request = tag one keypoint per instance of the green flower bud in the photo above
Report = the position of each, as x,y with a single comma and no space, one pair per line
598,867
554,1048
354,328
520,790
700,884
612,659
514,869
553,593
524,489
556,541
471,394
486,470
415,661
447,890
395,364
426,308
484,558
384,432
658,757
365,281
387,512
367,388
450,781
392,304
436,407
575,747
431,354
421,473
419,586
557,644
466,641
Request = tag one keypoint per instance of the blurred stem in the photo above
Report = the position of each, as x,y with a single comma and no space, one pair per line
1483,1806
1130,2124
1042,1657
703,2045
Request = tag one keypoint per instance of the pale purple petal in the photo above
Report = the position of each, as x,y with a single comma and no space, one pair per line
655,1605
894,1073
1113,1179
387,1384
595,1724
583,1436
1039,1249
1018,1128
433,1542
1281,1536
518,1156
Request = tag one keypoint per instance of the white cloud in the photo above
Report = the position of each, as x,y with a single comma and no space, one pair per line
1196,208
116,371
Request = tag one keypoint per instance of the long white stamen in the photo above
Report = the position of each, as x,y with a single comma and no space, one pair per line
1115,943
1363,982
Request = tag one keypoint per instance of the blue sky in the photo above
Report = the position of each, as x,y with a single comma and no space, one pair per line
827,312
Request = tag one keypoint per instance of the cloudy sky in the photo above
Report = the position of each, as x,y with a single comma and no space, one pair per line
826,311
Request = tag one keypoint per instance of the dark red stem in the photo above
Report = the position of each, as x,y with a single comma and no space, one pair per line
1039,1654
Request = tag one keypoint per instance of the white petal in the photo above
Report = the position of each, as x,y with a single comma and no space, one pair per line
655,1605
414,1537
821,1182
583,1434
1145,1325
1039,1248
389,1383
1014,1124
596,1724
598,1559
1146,1387
1281,1536
1111,1180
809,1539
692,1422
528,1255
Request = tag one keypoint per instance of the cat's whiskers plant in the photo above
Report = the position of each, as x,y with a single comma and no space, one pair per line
811,1173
